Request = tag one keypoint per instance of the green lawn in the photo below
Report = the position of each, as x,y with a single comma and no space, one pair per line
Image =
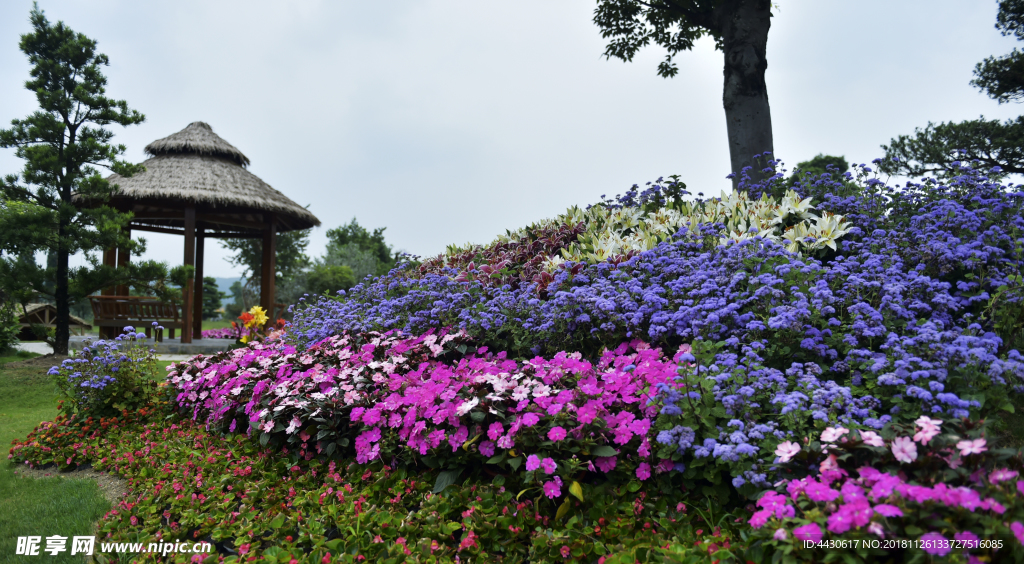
29,506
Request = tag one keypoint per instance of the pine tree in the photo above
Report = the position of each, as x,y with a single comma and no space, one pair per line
57,203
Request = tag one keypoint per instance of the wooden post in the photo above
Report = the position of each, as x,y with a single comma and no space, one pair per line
267,290
197,306
189,289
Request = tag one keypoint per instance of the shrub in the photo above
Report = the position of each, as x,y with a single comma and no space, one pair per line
107,377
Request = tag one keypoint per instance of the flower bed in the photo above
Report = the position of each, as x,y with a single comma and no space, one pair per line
429,398
254,504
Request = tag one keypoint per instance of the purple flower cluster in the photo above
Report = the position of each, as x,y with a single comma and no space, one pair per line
104,372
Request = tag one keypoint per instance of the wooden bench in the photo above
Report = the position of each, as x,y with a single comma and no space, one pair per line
138,311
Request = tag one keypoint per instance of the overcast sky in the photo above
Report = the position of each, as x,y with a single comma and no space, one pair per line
450,121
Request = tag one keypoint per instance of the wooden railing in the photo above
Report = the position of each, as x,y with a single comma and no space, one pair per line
139,311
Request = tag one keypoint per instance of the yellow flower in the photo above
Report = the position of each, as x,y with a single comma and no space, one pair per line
259,316
244,339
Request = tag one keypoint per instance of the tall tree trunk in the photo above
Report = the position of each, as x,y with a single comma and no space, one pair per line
63,321
744,25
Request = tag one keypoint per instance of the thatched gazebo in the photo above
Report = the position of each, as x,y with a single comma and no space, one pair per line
196,185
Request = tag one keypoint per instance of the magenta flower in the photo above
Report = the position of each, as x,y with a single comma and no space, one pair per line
966,537
810,531
925,421
506,442
859,511
530,419
840,521
495,431
780,534
1018,531
872,438
556,434
606,463
759,518
852,492
487,448
886,510
643,471
664,465
977,446
548,465
935,544
817,491
1002,475
565,552
553,488
532,462
904,449
1020,486
786,451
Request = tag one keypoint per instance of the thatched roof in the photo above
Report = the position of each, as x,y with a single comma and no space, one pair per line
195,166
196,139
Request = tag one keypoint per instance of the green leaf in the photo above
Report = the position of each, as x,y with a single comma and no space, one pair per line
515,463
465,445
633,485
477,416
264,438
603,451
278,522
430,461
563,510
577,490
445,479
497,458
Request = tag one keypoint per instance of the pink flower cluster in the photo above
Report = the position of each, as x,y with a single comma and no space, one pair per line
399,392
868,500
222,333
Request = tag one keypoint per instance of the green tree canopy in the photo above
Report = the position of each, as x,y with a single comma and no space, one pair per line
57,203
1002,78
740,29
993,143
327,279
212,298
346,241
291,257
